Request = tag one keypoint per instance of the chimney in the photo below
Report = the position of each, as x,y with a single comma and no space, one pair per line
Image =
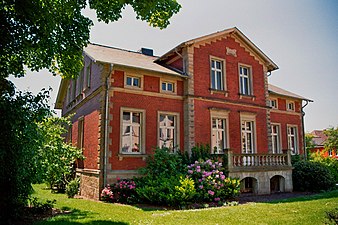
147,51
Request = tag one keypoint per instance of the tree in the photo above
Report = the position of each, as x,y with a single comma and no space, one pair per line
55,157
52,34
20,141
332,138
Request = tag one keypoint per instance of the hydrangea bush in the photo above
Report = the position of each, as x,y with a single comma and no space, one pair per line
211,183
123,191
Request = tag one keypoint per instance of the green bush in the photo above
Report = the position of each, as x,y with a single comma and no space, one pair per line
72,188
312,176
123,191
39,207
185,192
329,162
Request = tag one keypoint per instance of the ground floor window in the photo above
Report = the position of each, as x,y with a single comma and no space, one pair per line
292,139
275,135
218,136
168,131
131,137
248,137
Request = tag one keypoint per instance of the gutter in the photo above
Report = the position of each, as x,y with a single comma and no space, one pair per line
303,115
106,127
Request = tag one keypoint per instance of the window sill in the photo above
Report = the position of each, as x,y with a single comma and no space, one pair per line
213,91
133,87
243,96
131,155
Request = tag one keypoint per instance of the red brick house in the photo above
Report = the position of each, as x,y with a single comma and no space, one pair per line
318,140
211,90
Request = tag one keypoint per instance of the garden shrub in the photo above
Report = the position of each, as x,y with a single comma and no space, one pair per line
311,176
123,191
329,162
185,192
72,188
39,207
211,183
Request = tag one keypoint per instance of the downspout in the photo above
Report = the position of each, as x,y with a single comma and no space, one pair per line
106,128
303,115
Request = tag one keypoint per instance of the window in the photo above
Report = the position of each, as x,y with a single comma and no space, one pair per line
292,139
133,81
80,82
69,94
73,89
275,134
218,135
245,80
248,137
168,131
273,103
80,140
132,132
217,76
168,86
88,76
330,152
290,106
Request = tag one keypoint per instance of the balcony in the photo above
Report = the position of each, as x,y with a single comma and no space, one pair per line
259,162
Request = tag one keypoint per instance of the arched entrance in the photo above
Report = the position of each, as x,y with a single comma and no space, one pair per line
277,184
249,185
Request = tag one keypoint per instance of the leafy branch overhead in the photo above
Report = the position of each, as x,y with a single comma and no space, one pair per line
52,33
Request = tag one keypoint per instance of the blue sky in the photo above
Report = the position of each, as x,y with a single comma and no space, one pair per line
301,37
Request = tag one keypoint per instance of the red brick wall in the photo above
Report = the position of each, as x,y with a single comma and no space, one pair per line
203,125
151,105
218,49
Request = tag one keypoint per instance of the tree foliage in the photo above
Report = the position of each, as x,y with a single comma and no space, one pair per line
56,158
20,141
52,33
332,138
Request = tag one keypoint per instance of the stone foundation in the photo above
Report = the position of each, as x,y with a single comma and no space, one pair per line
89,183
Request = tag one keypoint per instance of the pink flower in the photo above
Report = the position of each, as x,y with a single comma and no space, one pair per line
210,192
217,199
201,186
190,171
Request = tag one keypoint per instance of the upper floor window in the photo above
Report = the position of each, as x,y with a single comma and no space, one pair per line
88,76
273,103
133,81
290,105
217,74
168,86
132,132
293,139
168,129
245,80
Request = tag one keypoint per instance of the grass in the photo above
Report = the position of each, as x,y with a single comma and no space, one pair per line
303,210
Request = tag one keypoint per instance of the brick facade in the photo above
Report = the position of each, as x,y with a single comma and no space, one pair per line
193,101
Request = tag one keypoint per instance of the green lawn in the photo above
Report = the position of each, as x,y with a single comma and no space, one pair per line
307,210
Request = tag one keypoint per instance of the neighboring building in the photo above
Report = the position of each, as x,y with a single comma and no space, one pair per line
318,140
209,90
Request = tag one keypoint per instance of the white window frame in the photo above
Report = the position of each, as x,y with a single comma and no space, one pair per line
290,103
295,136
277,135
141,127
88,76
242,89
248,118
216,70
139,77
176,129
219,114
80,83
168,81
274,106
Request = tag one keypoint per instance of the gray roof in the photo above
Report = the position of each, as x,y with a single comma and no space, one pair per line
125,58
279,91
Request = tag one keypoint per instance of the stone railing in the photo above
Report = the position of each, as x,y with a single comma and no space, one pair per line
257,161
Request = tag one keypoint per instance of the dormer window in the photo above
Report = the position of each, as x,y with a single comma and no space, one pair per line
168,86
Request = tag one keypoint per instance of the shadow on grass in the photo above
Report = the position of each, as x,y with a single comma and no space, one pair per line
70,216
324,195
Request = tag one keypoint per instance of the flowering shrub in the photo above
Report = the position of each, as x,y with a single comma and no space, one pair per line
123,191
211,183
185,192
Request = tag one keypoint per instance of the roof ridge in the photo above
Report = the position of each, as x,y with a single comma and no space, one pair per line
116,48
